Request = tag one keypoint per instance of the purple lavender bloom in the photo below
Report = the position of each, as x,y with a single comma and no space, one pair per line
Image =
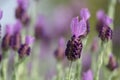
105,32
79,30
88,75
39,27
16,37
25,48
59,53
7,38
112,64
1,14
21,12
23,3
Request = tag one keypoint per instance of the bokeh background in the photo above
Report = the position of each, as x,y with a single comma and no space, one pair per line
58,15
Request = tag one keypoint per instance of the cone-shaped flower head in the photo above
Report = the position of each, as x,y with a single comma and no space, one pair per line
88,75
7,38
25,48
105,32
1,14
112,63
60,53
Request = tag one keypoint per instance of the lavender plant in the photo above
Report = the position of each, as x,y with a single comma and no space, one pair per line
75,60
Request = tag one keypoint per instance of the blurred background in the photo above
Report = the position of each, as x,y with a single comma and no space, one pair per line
56,18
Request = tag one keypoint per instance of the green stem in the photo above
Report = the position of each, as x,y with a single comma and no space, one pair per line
69,72
100,60
111,10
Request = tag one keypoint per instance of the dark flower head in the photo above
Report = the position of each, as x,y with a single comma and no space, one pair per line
19,12
16,37
88,75
112,63
59,52
23,3
7,38
39,27
105,32
25,19
25,48
74,48
1,14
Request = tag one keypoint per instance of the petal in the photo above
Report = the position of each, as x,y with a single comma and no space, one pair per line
74,24
107,20
84,13
1,13
81,28
17,26
29,40
100,14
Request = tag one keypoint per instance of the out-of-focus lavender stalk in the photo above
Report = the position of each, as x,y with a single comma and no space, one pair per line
111,14
100,60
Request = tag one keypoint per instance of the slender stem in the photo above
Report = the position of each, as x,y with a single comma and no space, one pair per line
100,61
111,10
69,74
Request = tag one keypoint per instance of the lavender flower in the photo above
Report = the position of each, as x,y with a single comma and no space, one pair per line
25,48
105,32
112,64
88,75
1,14
21,12
39,27
23,3
7,38
59,53
16,37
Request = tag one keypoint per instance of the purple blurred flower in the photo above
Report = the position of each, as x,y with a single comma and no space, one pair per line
29,40
39,27
16,37
23,3
105,32
112,64
25,48
60,53
21,12
88,75
1,14
7,38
